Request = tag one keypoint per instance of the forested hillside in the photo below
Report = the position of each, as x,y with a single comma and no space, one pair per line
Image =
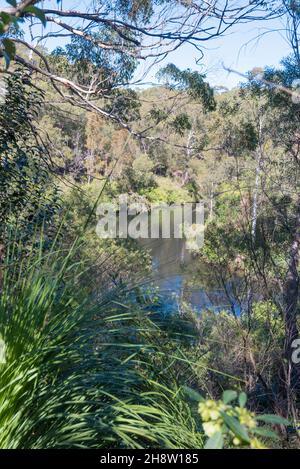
94,352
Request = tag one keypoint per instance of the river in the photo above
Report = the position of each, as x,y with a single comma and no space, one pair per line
180,276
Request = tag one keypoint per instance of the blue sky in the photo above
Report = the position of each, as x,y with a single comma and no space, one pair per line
245,47
239,50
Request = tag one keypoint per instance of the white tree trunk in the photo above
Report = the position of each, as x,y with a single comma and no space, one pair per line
258,169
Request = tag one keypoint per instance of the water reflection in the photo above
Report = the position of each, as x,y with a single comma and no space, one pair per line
176,273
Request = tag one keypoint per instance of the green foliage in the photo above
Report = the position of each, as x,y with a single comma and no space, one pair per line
190,81
94,371
9,50
158,115
138,177
124,105
167,192
235,426
83,58
37,12
11,23
72,376
90,362
28,196
266,322
182,123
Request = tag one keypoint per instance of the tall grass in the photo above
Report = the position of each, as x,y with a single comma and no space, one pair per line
78,370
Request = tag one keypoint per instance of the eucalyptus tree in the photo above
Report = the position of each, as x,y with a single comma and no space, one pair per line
108,39
273,254
285,132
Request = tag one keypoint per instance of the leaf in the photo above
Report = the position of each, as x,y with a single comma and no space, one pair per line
229,396
6,18
273,419
215,442
234,425
192,394
242,399
38,13
10,47
9,50
7,60
12,2
265,432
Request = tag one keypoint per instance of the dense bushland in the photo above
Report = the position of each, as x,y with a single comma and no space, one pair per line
90,356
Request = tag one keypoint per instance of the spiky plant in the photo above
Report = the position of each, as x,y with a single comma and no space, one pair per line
78,372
